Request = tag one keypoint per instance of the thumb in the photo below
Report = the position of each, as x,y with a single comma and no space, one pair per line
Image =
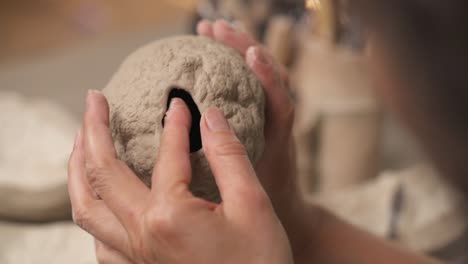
229,162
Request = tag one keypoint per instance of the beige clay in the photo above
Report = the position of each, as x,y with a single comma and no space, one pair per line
214,75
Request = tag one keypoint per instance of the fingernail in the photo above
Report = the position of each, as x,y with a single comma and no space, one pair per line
174,104
216,120
260,56
89,97
91,91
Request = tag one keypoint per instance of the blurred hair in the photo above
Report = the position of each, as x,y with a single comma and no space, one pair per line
427,43
430,40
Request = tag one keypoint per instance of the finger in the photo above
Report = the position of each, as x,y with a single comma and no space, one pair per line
279,106
78,186
108,255
173,168
96,219
91,214
273,168
98,139
110,178
278,69
228,160
226,34
205,28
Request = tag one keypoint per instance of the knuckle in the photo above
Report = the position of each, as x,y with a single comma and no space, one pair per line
97,172
262,202
161,222
81,217
258,199
133,216
228,147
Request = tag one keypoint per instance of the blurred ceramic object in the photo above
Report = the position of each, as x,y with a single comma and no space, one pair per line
35,143
433,214
56,243
280,38
414,207
339,119
367,206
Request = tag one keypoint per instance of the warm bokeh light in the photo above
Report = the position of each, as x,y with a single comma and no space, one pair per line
313,4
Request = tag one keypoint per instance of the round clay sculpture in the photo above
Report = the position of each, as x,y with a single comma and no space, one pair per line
201,72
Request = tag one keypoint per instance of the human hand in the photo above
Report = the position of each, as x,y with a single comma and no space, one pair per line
167,224
277,169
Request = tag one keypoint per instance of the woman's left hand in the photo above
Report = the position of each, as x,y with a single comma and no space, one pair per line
167,224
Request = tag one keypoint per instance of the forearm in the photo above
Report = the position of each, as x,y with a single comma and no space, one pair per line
335,241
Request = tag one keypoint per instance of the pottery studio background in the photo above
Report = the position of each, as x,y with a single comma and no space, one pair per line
353,157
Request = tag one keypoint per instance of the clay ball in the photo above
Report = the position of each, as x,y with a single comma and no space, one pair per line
204,74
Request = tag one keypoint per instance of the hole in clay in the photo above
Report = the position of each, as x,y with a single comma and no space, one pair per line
195,136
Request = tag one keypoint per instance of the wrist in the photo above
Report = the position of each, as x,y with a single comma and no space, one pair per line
307,238
302,221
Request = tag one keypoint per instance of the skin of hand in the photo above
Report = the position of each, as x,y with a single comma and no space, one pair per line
277,169
167,224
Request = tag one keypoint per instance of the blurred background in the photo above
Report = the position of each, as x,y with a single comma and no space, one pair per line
354,158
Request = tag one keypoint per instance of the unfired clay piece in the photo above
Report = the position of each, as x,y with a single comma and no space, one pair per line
214,75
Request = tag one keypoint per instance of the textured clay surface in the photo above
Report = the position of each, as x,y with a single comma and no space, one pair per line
214,76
